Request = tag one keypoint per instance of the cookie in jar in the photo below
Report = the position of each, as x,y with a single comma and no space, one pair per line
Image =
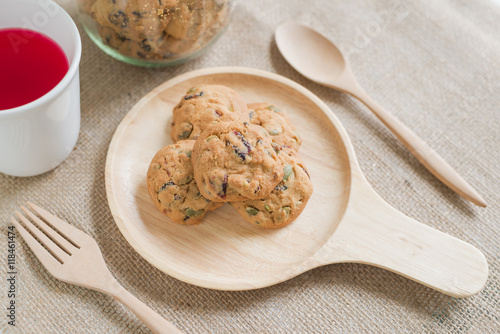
154,32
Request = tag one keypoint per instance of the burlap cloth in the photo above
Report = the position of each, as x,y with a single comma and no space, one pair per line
434,64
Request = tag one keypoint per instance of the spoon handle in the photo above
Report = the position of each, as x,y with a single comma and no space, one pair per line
426,155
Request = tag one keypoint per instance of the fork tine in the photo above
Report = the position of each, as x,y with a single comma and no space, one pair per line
56,237
73,234
51,246
41,253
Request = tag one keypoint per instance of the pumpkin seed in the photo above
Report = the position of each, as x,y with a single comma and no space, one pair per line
194,213
211,137
251,211
187,129
287,172
267,207
188,179
273,108
287,210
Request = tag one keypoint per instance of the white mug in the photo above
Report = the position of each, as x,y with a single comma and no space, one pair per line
38,136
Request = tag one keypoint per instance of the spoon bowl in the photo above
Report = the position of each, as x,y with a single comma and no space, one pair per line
319,60
324,62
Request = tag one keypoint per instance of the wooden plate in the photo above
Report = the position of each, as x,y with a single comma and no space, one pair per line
225,252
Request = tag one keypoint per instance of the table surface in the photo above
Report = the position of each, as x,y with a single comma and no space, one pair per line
434,64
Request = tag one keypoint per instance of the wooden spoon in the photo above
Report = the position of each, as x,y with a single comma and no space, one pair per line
319,60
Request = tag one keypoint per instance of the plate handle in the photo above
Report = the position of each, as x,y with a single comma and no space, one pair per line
373,232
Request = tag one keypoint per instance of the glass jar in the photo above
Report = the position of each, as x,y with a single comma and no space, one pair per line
154,33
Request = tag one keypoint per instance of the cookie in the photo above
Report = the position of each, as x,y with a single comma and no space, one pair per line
276,122
286,201
142,50
157,29
172,187
204,105
137,20
234,162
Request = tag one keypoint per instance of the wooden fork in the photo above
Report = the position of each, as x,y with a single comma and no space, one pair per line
73,256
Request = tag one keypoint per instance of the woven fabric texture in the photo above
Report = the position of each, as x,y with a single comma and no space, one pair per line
433,63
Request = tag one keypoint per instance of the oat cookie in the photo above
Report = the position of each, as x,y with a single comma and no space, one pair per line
157,29
276,122
137,20
204,105
172,187
286,201
126,46
235,161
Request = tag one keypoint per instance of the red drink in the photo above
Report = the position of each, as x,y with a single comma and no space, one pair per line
31,64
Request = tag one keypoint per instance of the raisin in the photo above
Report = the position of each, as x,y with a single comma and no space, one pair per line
165,185
242,155
189,97
118,19
145,46
305,171
224,187
281,187
244,141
